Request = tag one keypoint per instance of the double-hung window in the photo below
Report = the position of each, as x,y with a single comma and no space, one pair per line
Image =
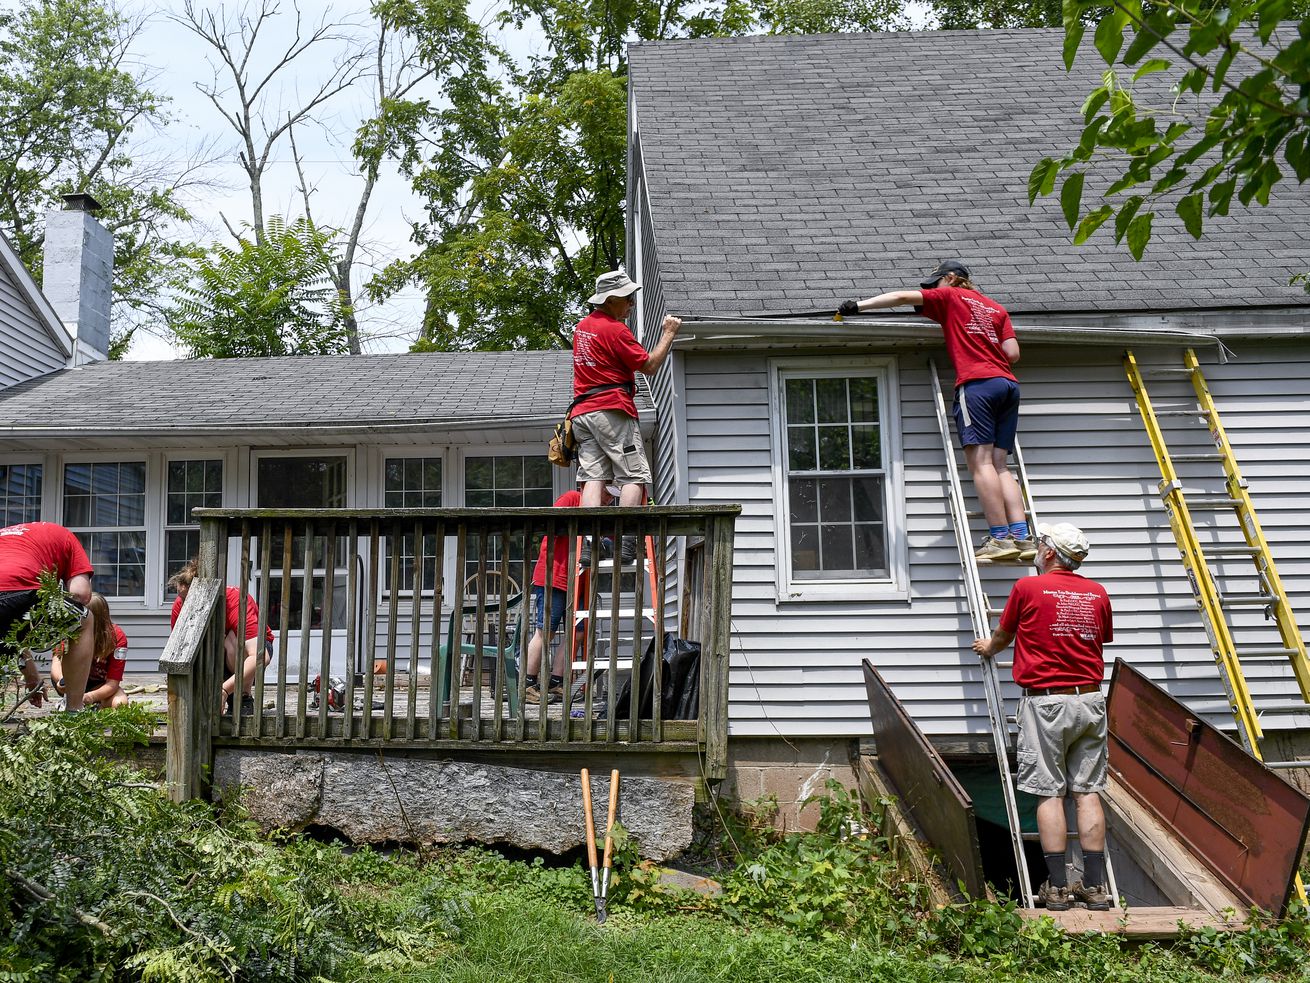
511,481
190,485
837,480
105,505
20,493
413,483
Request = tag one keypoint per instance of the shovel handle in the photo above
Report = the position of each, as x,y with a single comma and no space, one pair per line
609,826
586,813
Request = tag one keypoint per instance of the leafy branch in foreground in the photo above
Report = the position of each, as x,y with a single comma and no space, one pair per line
1243,68
54,618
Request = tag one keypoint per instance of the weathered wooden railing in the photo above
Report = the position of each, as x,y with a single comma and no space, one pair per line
402,608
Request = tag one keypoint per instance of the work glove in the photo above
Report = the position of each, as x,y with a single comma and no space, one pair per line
849,307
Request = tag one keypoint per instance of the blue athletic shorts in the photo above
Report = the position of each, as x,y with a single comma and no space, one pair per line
557,599
987,412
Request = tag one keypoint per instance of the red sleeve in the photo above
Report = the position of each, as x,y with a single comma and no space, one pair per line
629,353
233,611
934,303
75,560
120,638
177,609
1006,330
1013,609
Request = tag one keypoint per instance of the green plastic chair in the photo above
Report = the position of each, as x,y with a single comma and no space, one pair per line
508,652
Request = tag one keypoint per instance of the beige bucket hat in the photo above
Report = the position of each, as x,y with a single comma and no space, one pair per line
612,284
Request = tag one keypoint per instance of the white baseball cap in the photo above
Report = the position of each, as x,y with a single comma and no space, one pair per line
1068,541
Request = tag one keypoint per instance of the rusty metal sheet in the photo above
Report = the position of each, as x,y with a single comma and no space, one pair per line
924,785
1242,820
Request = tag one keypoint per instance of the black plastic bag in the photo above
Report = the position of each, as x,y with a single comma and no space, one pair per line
681,697
680,682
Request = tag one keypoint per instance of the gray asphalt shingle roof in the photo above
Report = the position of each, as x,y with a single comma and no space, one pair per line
326,390
788,172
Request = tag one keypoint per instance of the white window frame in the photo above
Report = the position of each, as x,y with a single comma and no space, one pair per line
895,586
150,520
195,454
559,484
402,452
256,454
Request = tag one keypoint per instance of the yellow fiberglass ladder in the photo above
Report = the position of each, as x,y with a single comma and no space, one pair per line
1209,564
981,613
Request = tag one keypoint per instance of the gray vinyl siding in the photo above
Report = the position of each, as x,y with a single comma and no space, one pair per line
26,348
795,666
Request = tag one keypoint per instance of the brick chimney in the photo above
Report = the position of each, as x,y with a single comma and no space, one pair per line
78,272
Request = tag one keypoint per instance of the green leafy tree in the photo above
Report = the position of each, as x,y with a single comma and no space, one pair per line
523,164
1234,124
274,296
71,106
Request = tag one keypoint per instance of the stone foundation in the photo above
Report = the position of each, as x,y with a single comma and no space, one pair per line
791,770
371,799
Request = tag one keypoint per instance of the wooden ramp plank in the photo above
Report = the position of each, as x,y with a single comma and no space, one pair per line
1138,924
900,832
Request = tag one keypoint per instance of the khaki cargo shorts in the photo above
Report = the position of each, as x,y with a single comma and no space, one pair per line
610,448
1061,744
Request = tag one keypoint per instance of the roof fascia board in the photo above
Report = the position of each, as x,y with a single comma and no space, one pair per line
709,334
45,313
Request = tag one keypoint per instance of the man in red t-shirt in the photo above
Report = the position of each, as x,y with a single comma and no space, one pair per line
561,576
27,551
181,582
605,358
1059,622
982,346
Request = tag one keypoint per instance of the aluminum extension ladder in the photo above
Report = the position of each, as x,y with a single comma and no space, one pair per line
1214,600
981,612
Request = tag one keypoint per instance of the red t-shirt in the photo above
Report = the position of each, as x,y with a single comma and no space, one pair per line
560,551
233,614
28,549
604,353
111,667
974,327
1060,621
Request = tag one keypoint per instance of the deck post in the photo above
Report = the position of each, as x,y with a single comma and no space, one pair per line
717,648
185,663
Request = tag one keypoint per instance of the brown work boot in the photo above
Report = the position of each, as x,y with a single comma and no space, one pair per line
1053,898
533,695
1094,896
1027,549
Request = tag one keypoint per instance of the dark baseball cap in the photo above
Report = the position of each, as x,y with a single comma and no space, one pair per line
944,267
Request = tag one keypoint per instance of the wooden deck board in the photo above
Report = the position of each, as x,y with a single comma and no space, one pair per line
1138,924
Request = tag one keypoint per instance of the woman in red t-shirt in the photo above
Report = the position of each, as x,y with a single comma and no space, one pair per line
108,660
181,582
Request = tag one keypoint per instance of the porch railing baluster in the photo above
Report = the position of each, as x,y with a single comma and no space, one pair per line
569,631
395,539
638,622
480,631
243,607
415,624
265,567
434,673
659,565
502,621
612,677
352,625
306,621
547,664
454,648
284,622
329,609
371,625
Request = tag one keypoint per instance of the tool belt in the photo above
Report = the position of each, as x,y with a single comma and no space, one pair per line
1062,690
562,449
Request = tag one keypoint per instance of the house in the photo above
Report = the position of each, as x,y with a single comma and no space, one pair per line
771,178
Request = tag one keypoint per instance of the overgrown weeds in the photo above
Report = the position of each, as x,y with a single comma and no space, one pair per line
105,879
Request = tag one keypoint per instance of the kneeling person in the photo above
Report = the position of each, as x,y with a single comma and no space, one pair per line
1060,622
104,684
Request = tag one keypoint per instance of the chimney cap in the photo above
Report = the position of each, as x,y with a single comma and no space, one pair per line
81,201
